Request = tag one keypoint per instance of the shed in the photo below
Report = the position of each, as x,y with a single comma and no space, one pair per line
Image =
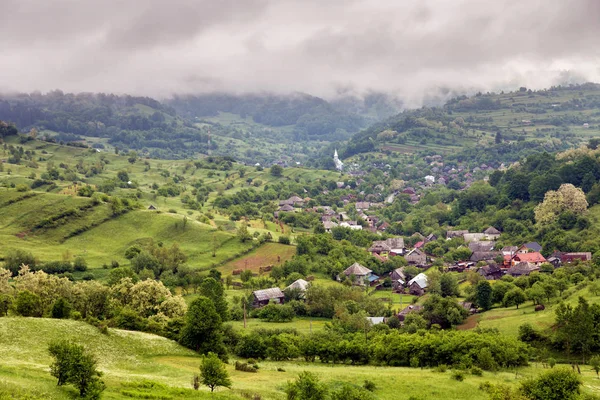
264,297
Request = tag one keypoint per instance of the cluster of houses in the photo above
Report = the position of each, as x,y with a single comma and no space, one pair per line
362,276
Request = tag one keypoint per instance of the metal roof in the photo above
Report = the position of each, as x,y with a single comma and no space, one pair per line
268,294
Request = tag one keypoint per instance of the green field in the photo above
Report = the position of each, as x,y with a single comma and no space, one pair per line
131,360
53,222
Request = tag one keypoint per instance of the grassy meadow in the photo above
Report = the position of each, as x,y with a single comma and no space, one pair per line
144,366
53,222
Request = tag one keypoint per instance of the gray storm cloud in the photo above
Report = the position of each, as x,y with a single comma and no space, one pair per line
409,48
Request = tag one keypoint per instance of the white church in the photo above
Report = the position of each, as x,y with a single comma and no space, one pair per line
339,165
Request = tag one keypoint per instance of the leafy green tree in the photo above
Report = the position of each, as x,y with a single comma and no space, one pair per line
556,384
306,387
448,286
483,295
595,364
61,308
276,170
214,291
15,258
514,297
242,233
28,304
202,329
73,365
213,372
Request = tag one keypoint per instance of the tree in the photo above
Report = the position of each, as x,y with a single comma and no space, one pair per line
202,329
243,234
213,372
448,286
483,293
61,308
556,384
73,365
515,297
28,304
15,258
566,198
595,364
214,291
306,387
276,170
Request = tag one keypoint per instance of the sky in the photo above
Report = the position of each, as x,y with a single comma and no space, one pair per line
328,48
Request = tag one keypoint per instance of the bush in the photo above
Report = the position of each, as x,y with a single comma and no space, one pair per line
556,384
80,264
240,366
441,368
458,375
276,313
369,385
28,304
476,371
283,239
61,309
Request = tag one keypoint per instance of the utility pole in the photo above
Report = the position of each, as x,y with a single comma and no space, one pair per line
244,314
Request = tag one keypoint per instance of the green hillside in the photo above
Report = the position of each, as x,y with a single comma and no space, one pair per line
82,228
144,366
491,127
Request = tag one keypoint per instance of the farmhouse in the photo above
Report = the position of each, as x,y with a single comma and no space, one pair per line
523,268
484,256
362,205
263,297
492,233
416,257
398,278
486,245
329,225
474,237
360,273
491,271
299,284
531,258
418,284
453,234
531,246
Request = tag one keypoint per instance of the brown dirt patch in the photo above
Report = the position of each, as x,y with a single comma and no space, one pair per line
470,323
268,254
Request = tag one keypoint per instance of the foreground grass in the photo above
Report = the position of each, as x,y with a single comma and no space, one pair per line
139,365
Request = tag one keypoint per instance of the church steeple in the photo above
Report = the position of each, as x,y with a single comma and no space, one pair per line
339,165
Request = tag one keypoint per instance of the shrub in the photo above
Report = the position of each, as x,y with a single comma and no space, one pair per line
369,385
28,304
476,371
284,239
240,366
441,368
80,264
61,309
276,313
458,375
559,384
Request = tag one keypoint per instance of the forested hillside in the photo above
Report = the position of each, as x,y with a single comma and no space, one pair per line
253,128
489,128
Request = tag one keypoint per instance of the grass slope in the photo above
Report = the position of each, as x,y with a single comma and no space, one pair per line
130,359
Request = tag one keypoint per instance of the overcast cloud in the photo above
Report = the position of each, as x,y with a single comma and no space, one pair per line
323,47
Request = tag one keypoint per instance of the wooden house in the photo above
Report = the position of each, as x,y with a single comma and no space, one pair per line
418,284
416,257
263,297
